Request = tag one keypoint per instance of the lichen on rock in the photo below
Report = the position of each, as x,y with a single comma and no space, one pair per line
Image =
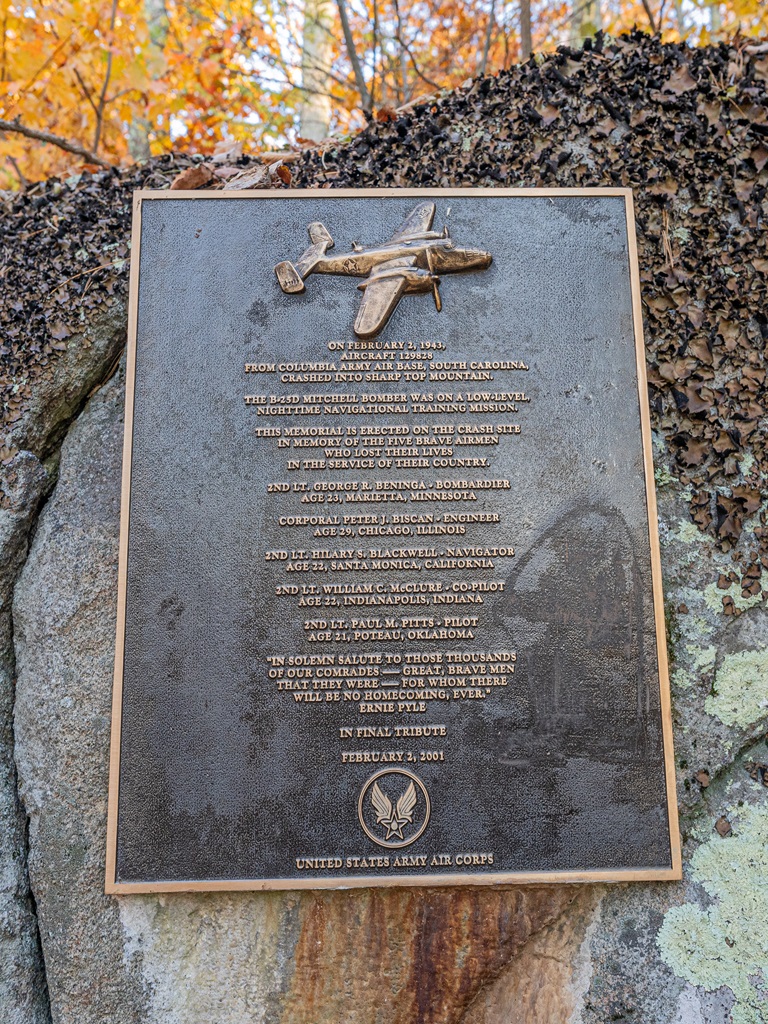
726,944
740,694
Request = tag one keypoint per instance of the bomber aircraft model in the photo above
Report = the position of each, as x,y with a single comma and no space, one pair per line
410,262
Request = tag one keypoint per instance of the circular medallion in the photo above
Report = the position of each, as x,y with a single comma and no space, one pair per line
393,807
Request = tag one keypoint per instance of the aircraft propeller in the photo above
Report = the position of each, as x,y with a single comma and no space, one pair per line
434,278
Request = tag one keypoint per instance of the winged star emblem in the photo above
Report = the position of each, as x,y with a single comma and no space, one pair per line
410,262
393,819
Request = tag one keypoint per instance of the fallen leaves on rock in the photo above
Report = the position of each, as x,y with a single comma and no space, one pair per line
723,826
252,177
386,113
193,177
758,772
65,256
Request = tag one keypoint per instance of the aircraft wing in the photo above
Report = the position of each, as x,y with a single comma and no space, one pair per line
381,294
418,220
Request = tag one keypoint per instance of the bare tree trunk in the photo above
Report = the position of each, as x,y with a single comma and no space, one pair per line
403,66
526,40
586,19
105,85
354,60
487,39
715,20
316,57
402,57
651,19
375,57
138,139
156,15
157,22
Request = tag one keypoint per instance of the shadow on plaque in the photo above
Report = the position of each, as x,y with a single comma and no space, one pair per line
586,663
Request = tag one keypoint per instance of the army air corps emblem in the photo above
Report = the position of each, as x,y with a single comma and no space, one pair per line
393,807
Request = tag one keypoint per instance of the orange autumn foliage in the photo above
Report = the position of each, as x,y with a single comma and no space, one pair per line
124,78
118,86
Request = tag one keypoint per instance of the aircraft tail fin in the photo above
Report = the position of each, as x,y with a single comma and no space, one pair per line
292,277
289,278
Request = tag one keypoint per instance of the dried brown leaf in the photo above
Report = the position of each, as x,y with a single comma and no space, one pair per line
680,81
723,826
193,177
254,177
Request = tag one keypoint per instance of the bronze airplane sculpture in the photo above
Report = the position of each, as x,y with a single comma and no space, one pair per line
409,262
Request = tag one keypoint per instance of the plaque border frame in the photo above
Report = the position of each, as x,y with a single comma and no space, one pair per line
673,873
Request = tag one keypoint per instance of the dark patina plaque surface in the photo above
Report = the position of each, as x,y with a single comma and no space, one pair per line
390,607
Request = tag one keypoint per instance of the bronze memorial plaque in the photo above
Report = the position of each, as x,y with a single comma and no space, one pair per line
390,603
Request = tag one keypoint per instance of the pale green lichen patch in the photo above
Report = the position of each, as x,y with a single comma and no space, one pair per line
696,662
695,624
688,532
740,694
727,944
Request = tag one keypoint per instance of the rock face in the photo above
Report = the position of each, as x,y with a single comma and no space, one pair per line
63,618
688,953
23,994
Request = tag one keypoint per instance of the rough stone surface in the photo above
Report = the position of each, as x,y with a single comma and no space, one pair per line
63,631
547,981
25,480
86,360
23,994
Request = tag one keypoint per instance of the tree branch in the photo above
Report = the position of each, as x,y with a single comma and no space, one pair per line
419,73
651,18
28,85
23,180
53,140
4,58
526,40
375,50
86,91
107,76
406,48
362,88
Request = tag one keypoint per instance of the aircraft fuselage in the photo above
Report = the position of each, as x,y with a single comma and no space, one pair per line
438,255
412,261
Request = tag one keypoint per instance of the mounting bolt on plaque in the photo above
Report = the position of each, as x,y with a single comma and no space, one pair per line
409,262
394,808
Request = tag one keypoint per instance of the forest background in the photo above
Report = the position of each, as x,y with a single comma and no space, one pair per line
116,81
